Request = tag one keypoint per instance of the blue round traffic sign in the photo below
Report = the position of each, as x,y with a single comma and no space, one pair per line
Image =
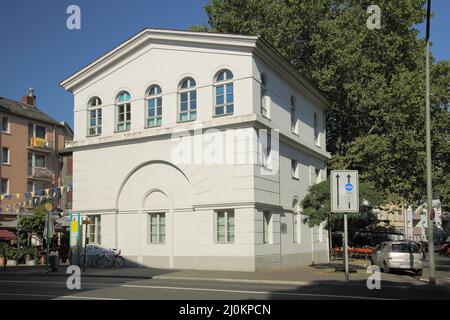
349,187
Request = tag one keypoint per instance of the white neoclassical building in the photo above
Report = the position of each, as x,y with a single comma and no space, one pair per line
170,160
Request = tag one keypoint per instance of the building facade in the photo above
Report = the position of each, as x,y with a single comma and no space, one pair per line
29,141
169,156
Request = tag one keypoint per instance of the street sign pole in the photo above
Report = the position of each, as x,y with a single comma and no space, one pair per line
346,247
345,199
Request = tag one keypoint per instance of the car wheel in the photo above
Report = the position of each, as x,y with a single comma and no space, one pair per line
419,272
385,267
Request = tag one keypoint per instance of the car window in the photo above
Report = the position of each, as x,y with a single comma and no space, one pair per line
404,248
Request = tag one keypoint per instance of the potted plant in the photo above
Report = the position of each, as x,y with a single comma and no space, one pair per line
32,255
11,255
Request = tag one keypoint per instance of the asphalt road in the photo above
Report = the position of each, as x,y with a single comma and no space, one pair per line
46,287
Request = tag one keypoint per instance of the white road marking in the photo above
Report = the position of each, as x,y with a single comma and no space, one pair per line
253,292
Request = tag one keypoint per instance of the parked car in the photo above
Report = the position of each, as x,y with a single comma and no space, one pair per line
398,255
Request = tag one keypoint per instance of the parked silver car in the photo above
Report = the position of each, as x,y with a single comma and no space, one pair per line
398,255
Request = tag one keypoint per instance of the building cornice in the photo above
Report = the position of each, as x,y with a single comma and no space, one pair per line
166,132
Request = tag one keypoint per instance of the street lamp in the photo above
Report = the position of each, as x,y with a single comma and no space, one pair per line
431,264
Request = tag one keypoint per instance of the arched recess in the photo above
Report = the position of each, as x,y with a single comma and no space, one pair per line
150,174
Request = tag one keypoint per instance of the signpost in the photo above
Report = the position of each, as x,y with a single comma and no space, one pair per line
74,238
345,199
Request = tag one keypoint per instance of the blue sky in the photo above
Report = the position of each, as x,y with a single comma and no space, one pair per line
37,50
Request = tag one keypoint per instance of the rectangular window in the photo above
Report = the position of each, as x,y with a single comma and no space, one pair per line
316,130
295,226
40,132
154,112
157,228
95,122
95,229
4,186
5,155
123,117
295,169
225,226
188,106
267,217
5,124
224,100
39,160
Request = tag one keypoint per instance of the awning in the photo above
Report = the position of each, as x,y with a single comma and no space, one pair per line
7,235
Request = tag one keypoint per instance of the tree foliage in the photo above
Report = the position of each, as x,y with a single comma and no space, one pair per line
34,224
317,208
375,80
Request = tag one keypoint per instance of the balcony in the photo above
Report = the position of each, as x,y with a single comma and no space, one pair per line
417,232
40,174
40,144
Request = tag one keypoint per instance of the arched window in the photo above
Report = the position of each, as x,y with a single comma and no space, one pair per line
95,116
264,98
187,100
294,121
316,130
224,93
123,114
154,106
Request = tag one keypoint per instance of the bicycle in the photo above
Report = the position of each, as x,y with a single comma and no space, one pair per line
115,260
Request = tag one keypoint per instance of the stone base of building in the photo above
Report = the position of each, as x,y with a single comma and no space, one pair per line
229,263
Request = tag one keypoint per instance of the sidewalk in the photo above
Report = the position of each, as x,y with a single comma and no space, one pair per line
301,276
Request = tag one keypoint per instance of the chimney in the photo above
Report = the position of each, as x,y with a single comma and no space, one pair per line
30,98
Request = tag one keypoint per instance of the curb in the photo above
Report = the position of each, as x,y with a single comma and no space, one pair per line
49,274
281,282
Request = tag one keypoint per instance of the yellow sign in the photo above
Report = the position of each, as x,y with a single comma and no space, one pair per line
74,226
48,207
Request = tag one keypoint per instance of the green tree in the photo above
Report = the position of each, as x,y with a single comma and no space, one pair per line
373,78
34,224
317,208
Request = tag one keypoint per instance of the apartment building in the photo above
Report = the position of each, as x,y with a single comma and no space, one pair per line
155,169
29,142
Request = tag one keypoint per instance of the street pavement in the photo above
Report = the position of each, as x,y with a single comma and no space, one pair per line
308,282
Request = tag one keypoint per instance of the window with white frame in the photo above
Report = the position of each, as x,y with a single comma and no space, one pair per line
95,116
265,103
154,107
4,186
123,112
296,221
95,229
36,131
5,155
157,227
225,226
264,148
317,176
295,167
267,217
5,124
321,229
224,93
316,130
294,120
187,100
